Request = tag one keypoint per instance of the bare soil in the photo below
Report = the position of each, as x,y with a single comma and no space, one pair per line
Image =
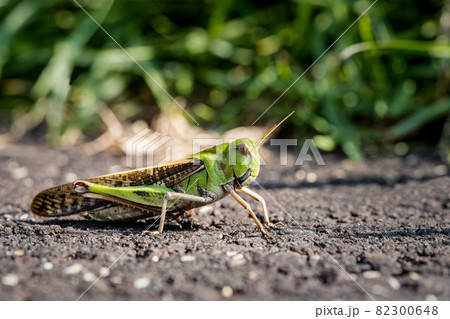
352,231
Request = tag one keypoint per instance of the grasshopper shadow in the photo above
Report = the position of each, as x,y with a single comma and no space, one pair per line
124,227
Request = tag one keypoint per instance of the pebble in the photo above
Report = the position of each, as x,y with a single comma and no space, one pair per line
431,297
253,275
48,266
311,177
10,280
74,269
24,216
394,283
440,170
19,173
187,258
237,260
155,259
116,280
231,253
206,210
237,257
371,274
380,291
141,283
227,292
104,272
300,175
19,252
89,277
414,276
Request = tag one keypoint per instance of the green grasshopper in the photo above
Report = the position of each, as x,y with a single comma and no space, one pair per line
178,186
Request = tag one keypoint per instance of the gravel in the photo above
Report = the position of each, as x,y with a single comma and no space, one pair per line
352,231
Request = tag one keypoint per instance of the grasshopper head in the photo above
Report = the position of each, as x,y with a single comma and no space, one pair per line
244,158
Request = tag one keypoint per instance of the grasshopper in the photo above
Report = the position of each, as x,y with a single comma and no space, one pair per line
179,186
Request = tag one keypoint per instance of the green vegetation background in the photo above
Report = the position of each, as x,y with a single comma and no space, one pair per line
383,86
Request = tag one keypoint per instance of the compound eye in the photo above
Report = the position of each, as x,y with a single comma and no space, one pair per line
243,149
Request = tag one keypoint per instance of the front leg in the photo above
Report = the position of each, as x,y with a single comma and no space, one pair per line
260,199
247,206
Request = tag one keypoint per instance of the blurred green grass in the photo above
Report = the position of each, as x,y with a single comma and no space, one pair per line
382,87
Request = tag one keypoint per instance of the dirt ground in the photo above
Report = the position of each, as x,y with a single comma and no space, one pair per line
378,229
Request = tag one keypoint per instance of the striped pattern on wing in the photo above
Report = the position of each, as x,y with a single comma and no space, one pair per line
63,200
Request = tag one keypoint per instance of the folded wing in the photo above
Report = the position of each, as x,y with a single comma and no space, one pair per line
63,200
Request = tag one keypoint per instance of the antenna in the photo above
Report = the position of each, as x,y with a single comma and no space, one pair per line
262,139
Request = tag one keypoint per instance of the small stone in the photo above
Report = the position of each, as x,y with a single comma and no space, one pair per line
10,280
227,292
104,272
231,253
300,175
414,276
24,216
74,269
116,280
394,283
206,210
155,259
253,275
18,252
431,297
440,170
48,266
89,277
237,260
380,291
311,177
141,283
19,173
187,258
371,274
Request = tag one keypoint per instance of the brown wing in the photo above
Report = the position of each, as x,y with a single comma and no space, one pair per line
63,200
